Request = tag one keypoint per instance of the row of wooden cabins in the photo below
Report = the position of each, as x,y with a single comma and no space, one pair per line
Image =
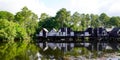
67,33
62,32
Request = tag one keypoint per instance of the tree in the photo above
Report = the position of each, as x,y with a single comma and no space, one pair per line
6,15
47,22
11,31
63,18
76,21
115,21
21,33
83,21
104,19
94,20
3,35
7,29
87,20
44,16
28,20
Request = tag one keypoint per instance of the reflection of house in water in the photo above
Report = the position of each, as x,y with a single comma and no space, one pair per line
61,46
97,38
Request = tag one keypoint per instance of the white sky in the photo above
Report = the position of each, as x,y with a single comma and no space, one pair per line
110,7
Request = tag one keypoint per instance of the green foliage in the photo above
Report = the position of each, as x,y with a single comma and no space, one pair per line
63,18
77,52
104,19
17,51
17,30
3,35
44,16
11,31
20,33
6,15
57,53
14,35
48,23
76,21
8,28
94,20
114,21
28,20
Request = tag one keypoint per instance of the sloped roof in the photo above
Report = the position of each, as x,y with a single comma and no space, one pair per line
53,30
109,29
114,32
45,29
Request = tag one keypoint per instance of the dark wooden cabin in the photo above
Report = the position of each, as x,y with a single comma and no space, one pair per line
99,32
115,32
90,31
66,31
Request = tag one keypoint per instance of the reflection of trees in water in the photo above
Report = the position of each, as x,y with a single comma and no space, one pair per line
17,50
56,53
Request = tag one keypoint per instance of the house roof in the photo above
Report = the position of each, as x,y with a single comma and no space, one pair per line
53,30
109,29
114,32
44,29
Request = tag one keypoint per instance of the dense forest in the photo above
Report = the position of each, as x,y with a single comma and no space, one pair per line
77,21
19,30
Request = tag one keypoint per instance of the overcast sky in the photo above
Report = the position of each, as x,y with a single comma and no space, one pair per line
110,7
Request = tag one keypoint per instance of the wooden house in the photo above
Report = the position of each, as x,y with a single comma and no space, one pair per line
43,32
115,32
65,32
88,31
98,32
53,32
